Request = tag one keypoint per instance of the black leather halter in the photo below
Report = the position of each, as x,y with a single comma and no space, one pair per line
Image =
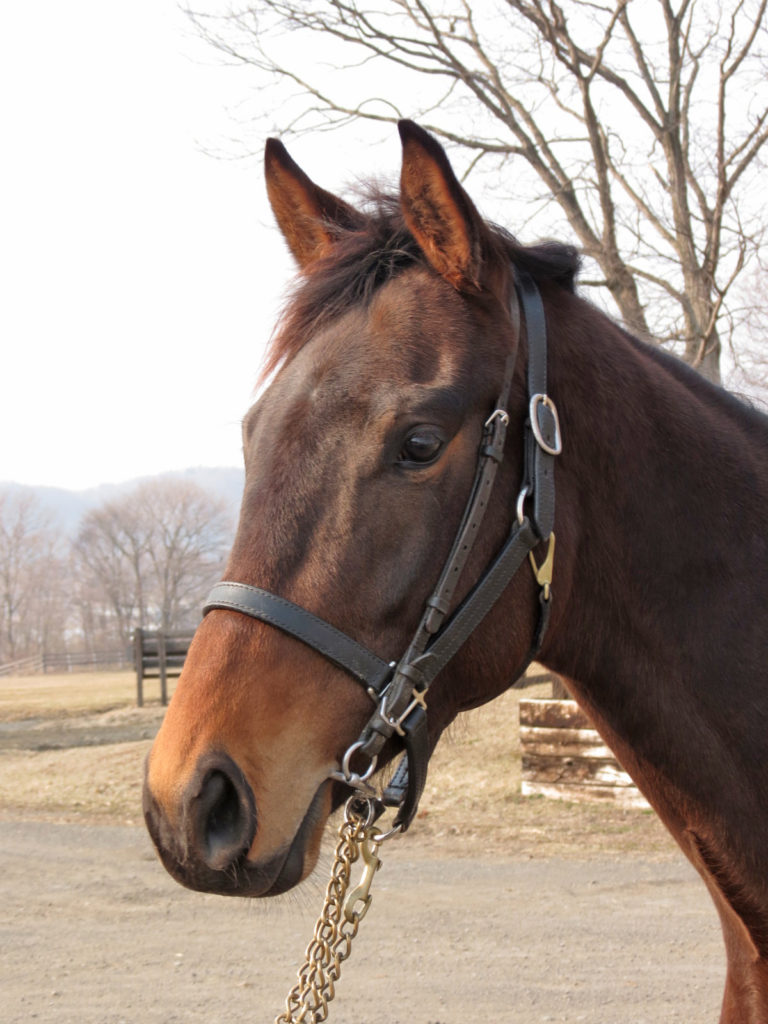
399,689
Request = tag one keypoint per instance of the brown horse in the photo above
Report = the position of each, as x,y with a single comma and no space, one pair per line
359,458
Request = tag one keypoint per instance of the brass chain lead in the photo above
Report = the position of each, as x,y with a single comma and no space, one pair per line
337,925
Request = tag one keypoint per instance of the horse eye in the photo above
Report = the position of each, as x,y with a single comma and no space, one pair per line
422,446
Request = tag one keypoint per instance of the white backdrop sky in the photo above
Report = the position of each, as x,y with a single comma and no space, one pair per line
140,278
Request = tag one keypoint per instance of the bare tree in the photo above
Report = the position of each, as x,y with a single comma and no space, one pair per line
189,533
645,122
108,555
32,608
147,559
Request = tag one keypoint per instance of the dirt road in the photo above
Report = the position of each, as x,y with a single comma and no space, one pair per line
93,931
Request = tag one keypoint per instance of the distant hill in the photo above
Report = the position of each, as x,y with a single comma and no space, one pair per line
68,507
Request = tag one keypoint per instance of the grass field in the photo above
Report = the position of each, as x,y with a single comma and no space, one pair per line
71,693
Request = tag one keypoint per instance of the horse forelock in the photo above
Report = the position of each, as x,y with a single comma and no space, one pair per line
362,260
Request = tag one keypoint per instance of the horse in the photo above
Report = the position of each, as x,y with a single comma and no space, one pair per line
410,344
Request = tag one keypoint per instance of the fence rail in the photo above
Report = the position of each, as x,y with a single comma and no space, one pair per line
67,661
22,666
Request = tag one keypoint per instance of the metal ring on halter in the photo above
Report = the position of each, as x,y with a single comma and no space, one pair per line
353,779
382,836
520,507
348,773
353,804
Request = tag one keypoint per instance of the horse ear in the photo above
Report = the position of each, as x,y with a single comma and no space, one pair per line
309,217
439,213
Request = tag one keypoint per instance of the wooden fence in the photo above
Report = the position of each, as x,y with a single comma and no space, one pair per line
158,654
565,758
66,661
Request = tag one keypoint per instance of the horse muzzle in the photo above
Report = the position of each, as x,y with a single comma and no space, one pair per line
206,845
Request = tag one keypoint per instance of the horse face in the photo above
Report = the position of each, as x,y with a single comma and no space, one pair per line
359,459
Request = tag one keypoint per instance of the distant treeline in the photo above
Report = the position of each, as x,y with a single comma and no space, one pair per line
146,558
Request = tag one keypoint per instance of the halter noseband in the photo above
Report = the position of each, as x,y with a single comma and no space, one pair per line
399,689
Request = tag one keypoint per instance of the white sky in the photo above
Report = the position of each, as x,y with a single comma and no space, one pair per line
139,278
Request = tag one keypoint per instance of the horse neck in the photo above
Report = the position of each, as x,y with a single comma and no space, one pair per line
660,497
661,594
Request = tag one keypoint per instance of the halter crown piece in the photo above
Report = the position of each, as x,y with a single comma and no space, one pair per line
399,689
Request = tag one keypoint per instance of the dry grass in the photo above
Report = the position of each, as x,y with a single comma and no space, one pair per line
100,785
70,693
472,802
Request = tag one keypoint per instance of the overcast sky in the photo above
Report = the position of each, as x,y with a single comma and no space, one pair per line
139,277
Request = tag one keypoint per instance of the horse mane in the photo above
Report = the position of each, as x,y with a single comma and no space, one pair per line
363,259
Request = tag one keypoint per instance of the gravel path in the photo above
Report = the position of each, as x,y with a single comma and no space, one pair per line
93,931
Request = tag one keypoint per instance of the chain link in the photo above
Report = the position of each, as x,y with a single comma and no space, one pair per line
339,920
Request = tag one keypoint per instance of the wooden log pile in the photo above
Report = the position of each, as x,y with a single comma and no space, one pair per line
565,758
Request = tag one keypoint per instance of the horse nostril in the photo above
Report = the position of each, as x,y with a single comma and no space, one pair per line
224,817
220,810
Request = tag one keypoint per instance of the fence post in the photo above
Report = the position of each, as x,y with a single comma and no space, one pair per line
138,658
162,661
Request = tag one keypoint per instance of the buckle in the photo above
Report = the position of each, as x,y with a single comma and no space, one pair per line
494,434
498,415
418,699
538,400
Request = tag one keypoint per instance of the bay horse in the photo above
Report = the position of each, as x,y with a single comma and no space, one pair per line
386,374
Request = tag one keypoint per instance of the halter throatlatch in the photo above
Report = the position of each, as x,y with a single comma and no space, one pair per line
399,689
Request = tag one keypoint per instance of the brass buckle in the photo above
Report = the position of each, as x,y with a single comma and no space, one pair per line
418,699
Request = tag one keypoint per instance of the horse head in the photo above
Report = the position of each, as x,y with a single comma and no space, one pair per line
359,454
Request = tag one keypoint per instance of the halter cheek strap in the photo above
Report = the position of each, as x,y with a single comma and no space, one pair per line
399,690
541,445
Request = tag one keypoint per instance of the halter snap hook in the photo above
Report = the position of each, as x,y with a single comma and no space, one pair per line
544,572
359,899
